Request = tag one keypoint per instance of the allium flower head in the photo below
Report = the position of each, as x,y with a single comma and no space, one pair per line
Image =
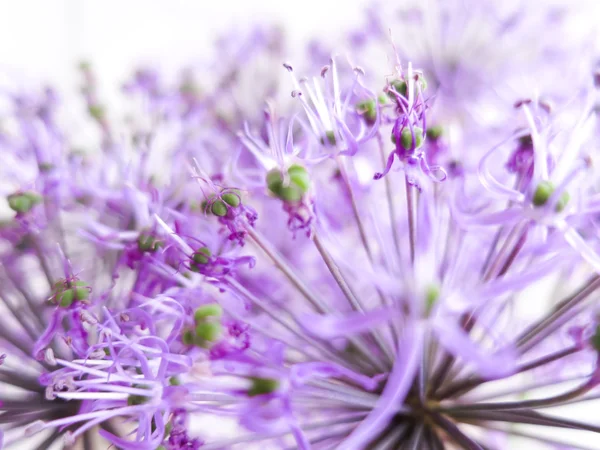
355,269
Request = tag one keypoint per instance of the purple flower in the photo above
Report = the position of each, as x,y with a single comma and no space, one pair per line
208,258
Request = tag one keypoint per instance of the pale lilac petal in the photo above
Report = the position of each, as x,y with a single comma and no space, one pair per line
396,388
303,372
489,364
330,326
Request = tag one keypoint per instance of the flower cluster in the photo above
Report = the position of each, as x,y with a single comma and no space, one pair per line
364,266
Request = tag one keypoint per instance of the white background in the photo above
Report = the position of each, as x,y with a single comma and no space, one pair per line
44,38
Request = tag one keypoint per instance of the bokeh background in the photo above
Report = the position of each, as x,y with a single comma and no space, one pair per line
42,41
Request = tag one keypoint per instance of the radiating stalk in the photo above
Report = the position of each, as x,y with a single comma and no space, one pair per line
352,298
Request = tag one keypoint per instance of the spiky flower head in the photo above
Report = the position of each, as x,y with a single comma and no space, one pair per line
338,271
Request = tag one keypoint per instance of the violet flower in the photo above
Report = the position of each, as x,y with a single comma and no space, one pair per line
205,258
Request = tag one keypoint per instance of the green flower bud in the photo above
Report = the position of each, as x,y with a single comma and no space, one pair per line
207,332
544,191
202,255
135,399
66,293
330,136
431,296
205,311
406,138
66,298
299,183
148,243
85,65
81,293
290,194
299,177
368,110
400,87
219,208
45,167
434,132
97,112
562,202
274,180
187,337
231,199
261,386
22,202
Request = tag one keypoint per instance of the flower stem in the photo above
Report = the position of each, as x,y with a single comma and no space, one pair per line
351,296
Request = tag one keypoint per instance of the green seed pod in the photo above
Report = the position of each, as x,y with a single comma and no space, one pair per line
219,208
23,202
134,399
431,296
187,337
274,180
66,298
81,293
202,255
299,177
299,183
406,138
207,332
261,386
148,243
368,110
434,132
204,206
97,112
562,202
45,167
329,137
290,194
19,203
400,87
205,311
33,197
231,199
542,193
